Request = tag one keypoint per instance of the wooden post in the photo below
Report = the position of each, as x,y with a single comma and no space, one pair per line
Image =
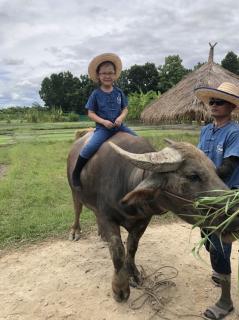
211,52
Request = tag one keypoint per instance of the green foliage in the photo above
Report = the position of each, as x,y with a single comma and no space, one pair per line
171,72
221,203
86,88
137,103
231,62
123,82
32,115
140,78
65,91
12,113
56,115
72,117
37,114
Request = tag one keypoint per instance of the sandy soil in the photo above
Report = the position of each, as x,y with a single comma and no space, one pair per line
72,280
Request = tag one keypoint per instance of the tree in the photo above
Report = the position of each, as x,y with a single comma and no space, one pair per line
65,91
86,88
123,81
231,62
139,78
60,91
143,78
171,72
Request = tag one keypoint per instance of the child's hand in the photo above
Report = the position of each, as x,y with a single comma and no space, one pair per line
118,122
108,124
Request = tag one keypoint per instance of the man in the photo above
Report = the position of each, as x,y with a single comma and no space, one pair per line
220,142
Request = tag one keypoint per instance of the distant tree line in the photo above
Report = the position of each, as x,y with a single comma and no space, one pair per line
70,93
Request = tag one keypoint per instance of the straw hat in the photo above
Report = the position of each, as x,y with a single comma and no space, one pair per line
226,91
102,58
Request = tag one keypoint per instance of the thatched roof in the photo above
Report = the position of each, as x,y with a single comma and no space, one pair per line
179,103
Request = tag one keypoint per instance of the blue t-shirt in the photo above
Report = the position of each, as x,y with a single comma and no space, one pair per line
220,143
107,105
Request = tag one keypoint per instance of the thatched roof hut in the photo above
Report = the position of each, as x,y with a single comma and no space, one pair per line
179,103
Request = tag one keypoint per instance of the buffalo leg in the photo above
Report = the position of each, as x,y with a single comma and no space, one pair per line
120,281
101,227
76,229
132,245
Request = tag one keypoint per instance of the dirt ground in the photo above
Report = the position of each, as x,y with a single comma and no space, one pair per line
72,280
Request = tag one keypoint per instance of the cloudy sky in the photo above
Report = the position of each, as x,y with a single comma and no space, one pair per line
38,38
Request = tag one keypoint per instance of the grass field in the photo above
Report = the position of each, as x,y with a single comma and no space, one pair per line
35,200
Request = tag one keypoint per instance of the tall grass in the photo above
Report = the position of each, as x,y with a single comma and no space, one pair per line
37,114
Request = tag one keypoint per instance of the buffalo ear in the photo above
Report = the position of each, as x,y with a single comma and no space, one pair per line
138,196
137,201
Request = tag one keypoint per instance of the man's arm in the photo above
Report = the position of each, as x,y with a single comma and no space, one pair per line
227,167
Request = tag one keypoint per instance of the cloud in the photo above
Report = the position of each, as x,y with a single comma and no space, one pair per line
39,38
12,62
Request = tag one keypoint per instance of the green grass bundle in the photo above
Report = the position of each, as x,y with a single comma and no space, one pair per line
215,207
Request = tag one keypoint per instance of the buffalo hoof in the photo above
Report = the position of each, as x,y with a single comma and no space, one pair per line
135,281
74,235
120,286
121,295
135,277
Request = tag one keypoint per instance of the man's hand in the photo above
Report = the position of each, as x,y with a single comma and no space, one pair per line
118,121
108,124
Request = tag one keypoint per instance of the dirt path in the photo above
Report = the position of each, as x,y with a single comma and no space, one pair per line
72,280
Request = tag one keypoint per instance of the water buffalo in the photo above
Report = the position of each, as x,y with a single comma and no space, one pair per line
127,182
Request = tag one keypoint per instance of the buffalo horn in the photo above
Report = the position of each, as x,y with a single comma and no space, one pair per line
165,160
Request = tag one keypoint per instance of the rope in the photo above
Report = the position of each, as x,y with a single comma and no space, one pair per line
152,287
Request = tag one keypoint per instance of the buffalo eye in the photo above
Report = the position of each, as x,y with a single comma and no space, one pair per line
194,178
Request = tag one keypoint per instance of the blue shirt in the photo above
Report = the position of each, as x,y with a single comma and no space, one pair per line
107,105
220,143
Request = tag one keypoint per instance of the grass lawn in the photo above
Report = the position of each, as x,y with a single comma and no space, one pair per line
35,199
157,137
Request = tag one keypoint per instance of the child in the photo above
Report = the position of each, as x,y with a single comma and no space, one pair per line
107,106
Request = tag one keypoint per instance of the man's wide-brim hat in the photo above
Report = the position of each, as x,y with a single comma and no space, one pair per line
226,91
95,62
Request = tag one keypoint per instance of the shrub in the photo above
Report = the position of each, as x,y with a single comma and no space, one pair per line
56,115
138,101
73,117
